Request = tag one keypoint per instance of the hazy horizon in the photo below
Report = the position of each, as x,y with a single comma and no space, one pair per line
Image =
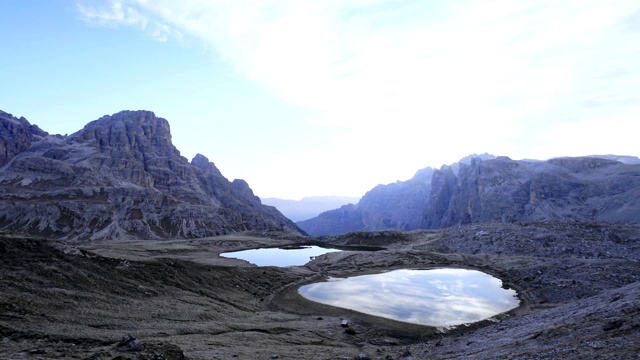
332,98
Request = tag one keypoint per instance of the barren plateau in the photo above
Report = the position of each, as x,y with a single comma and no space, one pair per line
579,286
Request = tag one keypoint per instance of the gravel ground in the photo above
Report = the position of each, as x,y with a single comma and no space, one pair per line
578,283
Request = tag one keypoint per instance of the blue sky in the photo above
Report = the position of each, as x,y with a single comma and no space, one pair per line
305,98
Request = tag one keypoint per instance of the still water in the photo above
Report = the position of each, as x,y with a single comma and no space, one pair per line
437,297
279,256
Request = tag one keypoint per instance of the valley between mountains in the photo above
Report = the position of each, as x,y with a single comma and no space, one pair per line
109,232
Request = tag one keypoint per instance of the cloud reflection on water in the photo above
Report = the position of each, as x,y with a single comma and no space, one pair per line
279,256
438,297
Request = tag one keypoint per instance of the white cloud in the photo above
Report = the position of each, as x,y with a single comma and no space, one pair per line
113,13
120,13
438,297
417,84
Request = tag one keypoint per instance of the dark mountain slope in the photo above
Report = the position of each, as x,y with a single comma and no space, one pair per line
121,177
397,205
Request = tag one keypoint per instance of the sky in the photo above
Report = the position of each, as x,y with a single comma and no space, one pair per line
333,97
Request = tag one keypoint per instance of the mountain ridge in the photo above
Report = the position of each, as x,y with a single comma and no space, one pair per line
486,188
120,177
589,189
397,205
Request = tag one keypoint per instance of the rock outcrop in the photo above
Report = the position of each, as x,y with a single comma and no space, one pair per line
119,177
587,189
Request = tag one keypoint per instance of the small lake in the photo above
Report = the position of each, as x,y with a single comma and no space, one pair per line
279,256
437,297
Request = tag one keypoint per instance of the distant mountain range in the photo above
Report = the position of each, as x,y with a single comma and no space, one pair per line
120,177
600,188
308,207
397,205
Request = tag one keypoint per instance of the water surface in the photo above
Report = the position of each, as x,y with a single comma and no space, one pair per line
279,256
437,297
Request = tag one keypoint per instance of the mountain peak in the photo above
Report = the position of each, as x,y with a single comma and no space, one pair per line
202,162
16,135
131,130
485,188
126,180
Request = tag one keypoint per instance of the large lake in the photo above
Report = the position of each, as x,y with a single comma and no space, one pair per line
279,256
437,297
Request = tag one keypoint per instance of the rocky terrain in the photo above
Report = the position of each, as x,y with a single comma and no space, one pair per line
484,189
119,177
579,285
110,246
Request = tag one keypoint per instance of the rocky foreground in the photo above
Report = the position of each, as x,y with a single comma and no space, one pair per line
579,285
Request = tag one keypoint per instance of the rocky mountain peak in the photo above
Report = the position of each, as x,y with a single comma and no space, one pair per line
16,135
129,130
471,160
120,177
424,175
202,162
243,189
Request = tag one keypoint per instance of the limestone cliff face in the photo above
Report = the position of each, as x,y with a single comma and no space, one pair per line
504,190
121,177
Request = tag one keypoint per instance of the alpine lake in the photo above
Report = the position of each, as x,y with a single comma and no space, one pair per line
441,297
